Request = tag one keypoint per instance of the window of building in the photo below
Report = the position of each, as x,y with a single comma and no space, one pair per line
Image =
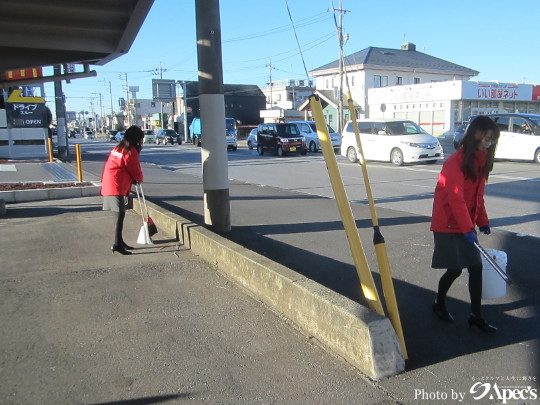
380,81
327,83
352,80
416,80
152,104
399,80
278,97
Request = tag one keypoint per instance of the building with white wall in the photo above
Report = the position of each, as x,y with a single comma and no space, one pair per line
440,107
379,68
287,94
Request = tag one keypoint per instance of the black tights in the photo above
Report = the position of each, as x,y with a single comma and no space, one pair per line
118,228
475,287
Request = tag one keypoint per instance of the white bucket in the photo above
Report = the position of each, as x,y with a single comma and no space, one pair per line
493,286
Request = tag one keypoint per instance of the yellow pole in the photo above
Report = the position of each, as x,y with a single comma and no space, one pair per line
79,161
378,241
364,274
49,144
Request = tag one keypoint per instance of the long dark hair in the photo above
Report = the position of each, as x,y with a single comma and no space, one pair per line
469,143
133,138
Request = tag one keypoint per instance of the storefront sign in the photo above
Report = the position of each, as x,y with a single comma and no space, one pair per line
25,112
496,91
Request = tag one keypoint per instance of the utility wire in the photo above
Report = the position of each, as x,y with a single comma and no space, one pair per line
297,41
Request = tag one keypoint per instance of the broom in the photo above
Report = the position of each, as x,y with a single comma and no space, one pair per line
152,228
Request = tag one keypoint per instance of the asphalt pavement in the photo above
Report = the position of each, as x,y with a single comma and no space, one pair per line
85,326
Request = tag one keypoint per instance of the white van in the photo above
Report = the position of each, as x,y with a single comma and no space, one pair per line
520,136
391,140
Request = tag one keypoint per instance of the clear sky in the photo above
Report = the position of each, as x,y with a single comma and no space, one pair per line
497,38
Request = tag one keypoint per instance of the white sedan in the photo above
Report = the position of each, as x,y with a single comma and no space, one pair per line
391,140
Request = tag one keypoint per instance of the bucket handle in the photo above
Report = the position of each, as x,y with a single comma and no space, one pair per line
493,263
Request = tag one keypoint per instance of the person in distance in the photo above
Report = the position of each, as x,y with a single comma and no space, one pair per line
120,171
458,206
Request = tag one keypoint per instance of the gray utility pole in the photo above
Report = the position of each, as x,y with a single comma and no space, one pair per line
270,67
184,90
340,92
128,114
161,70
217,210
61,125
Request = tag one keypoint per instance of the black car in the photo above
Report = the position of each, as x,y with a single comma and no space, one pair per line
111,135
166,136
460,132
280,138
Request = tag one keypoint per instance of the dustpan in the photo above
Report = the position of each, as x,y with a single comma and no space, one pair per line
144,233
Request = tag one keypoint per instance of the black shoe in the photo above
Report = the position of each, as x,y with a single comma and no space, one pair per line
126,246
481,324
120,249
441,312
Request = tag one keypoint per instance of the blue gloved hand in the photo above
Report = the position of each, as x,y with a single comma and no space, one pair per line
470,237
486,230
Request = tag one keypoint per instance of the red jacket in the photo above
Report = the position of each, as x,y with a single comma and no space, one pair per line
121,169
458,204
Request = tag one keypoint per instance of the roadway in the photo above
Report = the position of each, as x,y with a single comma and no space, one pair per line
511,194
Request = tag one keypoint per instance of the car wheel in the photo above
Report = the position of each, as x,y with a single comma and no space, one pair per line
179,142
164,141
250,145
280,151
199,142
304,152
312,147
537,156
351,155
235,148
396,157
431,162
260,150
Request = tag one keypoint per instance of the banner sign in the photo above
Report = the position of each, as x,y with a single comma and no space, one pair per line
25,112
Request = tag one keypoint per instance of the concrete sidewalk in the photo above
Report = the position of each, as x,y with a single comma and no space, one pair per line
83,326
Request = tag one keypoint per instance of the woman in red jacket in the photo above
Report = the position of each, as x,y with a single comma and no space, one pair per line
458,207
121,169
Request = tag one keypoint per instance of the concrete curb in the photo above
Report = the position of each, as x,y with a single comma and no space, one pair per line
360,336
18,196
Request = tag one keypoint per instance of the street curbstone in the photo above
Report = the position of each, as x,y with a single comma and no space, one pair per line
359,335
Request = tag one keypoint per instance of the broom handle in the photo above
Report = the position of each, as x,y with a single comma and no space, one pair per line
140,205
493,263
144,201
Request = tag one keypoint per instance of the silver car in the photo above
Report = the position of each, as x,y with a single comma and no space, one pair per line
252,139
309,130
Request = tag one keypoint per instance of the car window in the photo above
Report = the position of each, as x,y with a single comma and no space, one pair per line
379,126
520,126
363,127
503,123
307,128
313,127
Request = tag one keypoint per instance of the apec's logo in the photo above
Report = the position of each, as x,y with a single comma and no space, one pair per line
481,390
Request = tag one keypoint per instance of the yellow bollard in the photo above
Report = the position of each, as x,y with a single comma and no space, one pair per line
364,274
378,241
49,144
79,161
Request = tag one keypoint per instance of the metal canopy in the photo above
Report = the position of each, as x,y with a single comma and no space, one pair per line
51,32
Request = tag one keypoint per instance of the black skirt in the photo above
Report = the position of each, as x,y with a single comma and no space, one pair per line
452,251
115,203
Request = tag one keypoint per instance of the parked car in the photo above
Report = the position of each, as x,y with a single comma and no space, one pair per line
280,138
458,134
252,139
119,136
89,135
520,136
309,131
165,136
111,135
391,140
149,136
